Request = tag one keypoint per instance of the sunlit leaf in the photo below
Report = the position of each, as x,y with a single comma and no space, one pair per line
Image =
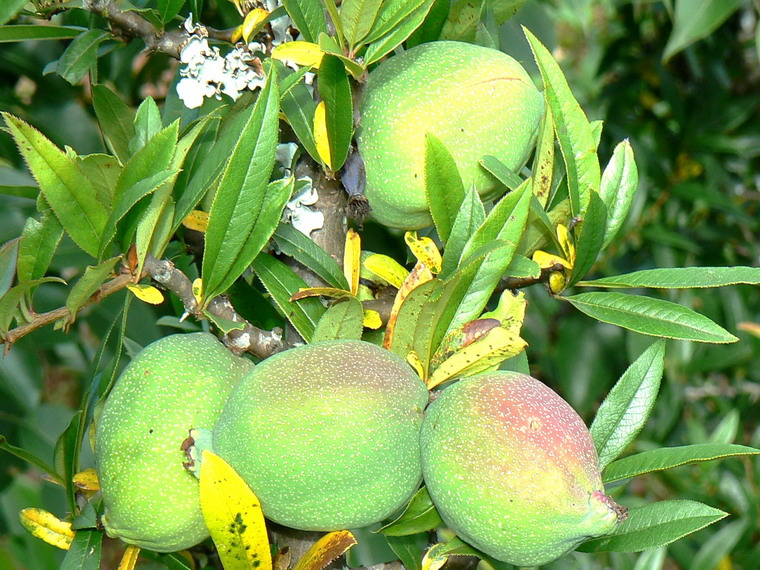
146,293
325,550
129,560
47,527
387,268
300,53
424,250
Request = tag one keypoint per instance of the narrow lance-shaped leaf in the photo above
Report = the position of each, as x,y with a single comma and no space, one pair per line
655,525
308,16
240,203
326,550
626,408
299,108
336,93
80,55
670,457
590,237
463,19
469,218
301,248
695,19
24,32
410,22
573,130
543,164
650,316
85,551
680,278
357,17
8,257
70,195
443,186
618,187
9,9
94,276
147,124
116,120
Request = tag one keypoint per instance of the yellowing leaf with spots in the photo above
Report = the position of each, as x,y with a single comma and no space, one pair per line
547,260
254,21
419,275
299,52
490,350
196,220
425,250
320,133
372,319
87,480
352,260
197,288
434,557
47,527
331,292
387,268
147,293
566,243
415,362
129,560
233,516
325,550
510,311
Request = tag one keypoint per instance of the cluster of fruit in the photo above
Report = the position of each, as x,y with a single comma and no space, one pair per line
338,435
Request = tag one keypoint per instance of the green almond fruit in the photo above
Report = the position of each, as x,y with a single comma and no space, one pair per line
477,101
512,469
326,434
174,384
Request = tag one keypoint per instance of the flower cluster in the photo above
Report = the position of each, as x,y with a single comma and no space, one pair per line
209,74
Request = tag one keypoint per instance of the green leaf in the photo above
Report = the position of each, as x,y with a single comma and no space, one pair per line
168,9
30,458
19,191
85,551
680,278
576,140
68,192
420,515
8,257
413,326
486,31
66,457
650,316
464,16
336,93
224,325
655,525
443,186
40,240
116,120
332,10
626,408
80,55
299,107
523,268
344,320
102,170
696,19
94,276
503,173
9,9
308,16
590,238
670,457
24,32
408,549
281,283
470,217
410,16
718,546
147,124
10,301
357,17
543,165
301,248
619,183
246,209
431,28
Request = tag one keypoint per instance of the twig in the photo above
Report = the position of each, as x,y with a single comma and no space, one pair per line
522,282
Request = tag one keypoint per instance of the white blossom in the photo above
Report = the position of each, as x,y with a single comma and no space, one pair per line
298,211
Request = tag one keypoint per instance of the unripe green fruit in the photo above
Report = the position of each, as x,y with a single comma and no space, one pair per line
512,469
477,101
326,434
176,383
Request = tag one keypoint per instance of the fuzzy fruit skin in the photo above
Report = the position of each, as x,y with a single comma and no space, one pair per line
174,384
326,434
512,469
476,100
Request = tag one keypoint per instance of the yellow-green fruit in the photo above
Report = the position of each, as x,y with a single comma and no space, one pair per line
174,384
477,101
512,469
326,434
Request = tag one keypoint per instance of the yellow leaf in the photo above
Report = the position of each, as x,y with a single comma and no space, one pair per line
233,516
490,350
147,293
197,289
237,35
254,21
425,250
352,260
47,527
332,292
129,560
299,52
510,311
320,133
547,260
414,360
372,319
196,220
387,268
420,274
87,480
325,550
566,243
432,560
751,328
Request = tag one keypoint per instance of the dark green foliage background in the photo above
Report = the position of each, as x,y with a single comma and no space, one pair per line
694,123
